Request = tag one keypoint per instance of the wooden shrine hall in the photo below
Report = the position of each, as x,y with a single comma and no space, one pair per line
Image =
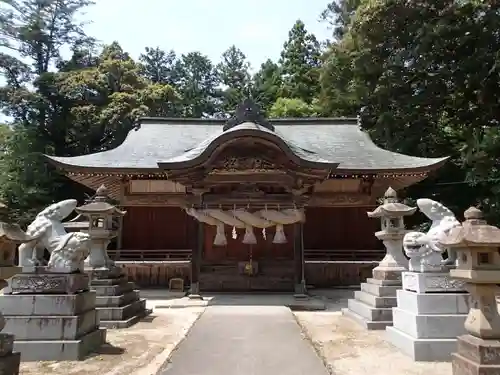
247,203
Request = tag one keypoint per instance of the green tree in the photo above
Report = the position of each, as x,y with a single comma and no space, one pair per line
426,77
233,73
292,108
266,85
158,66
32,33
339,15
106,100
197,83
300,62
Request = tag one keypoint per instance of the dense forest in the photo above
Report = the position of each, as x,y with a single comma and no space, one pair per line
422,75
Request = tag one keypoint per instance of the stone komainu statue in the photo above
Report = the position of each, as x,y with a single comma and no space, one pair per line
67,250
424,249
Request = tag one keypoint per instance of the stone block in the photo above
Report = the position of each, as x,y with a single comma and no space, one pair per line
379,290
367,324
112,290
51,327
375,301
61,350
47,283
9,364
116,301
433,303
9,361
384,282
6,344
428,350
431,282
476,356
425,325
429,326
121,312
387,274
53,304
369,312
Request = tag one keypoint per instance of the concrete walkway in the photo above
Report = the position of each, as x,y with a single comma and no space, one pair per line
245,340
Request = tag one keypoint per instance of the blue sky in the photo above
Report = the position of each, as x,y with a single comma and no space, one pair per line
258,27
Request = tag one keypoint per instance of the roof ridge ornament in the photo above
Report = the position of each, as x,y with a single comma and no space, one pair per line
248,111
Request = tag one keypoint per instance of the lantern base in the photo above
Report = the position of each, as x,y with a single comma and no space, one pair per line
118,301
476,356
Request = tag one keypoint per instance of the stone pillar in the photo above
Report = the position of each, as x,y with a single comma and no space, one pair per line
50,309
298,247
476,245
372,306
118,301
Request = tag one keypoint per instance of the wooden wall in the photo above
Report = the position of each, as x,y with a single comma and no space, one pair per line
343,228
150,228
326,228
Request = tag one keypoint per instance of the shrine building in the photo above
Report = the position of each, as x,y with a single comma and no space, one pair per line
248,203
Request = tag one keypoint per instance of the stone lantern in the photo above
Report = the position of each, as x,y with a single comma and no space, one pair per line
477,247
118,302
372,306
103,219
11,235
391,214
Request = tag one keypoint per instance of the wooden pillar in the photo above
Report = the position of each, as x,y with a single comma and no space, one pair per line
196,257
298,247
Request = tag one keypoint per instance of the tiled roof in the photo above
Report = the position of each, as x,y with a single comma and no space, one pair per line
313,140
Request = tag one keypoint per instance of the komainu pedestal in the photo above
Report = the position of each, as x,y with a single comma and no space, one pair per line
430,314
118,302
53,316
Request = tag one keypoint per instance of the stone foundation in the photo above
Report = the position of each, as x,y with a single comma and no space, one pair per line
372,306
118,302
52,326
476,356
426,323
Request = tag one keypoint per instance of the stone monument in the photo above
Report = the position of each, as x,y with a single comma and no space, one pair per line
118,301
372,306
431,307
11,235
478,265
49,308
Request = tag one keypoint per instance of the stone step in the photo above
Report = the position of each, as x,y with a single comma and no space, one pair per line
121,312
113,290
429,326
380,290
433,303
117,324
368,312
425,350
60,350
369,325
375,301
117,301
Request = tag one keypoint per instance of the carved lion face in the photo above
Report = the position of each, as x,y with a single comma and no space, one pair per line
414,243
